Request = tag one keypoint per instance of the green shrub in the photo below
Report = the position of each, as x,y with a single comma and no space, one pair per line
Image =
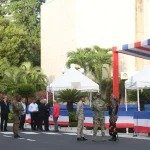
144,97
72,116
73,124
70,96
50,101
26,90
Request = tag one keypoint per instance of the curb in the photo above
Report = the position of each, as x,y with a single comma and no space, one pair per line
90,132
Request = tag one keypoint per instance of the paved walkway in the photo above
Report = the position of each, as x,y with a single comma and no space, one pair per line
65,140
90,132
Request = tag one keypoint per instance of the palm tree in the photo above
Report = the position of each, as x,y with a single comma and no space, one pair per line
11,78
69,96
34,76
95,60
24,75
99,61
78,57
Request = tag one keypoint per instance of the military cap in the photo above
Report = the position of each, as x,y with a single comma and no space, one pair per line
82,96
113,97
98,94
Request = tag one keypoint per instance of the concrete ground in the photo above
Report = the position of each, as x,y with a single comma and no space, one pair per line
66,140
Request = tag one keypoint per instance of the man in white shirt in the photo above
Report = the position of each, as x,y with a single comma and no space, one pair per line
33,109
23,113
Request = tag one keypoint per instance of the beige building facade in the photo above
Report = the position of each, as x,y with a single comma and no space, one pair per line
70,24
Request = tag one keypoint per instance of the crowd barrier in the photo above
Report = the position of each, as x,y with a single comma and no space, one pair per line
147,107
125,118
142,122
62,120
138,120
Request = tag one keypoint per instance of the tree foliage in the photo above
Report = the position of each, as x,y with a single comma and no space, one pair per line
13,43
79,57
69,96
96,61
144,97
26,90
26,15
25,74
20,46
99,61
4,64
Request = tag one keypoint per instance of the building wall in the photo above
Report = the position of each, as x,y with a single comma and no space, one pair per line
107,23
58,28
142,20
70,24
146,24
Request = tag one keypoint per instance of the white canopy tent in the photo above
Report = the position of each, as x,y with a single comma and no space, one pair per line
140,80
74,79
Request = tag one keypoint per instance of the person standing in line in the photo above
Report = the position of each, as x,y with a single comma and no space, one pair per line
47,114
41,114
98,106
80,118
4,113
33,109
55,114
23,114
16,107
113,110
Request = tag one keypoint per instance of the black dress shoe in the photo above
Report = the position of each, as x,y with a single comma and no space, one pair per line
113,139
56,131
79,139
5,130
84,139
23,129
34,129
17,137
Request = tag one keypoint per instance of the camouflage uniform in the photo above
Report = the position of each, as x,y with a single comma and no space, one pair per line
80,117
98,106
113,110
16,107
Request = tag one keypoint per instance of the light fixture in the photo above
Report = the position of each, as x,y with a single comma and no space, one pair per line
81,70
63,70
72,66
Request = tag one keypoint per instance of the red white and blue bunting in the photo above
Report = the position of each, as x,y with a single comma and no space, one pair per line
138,49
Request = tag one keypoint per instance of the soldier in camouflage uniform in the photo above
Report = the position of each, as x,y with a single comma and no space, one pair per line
80,118
16,107
98,106
113,110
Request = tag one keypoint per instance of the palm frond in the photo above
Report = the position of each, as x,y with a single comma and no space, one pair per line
69,95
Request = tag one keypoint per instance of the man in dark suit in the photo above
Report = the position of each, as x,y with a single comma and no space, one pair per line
41,115
4,113
47,114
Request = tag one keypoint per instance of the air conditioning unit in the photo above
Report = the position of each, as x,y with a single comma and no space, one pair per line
127,75
124,75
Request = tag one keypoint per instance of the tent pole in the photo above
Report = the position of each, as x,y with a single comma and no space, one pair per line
47,91
90,98
47,96
53,95
127,130
138,99
126,99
